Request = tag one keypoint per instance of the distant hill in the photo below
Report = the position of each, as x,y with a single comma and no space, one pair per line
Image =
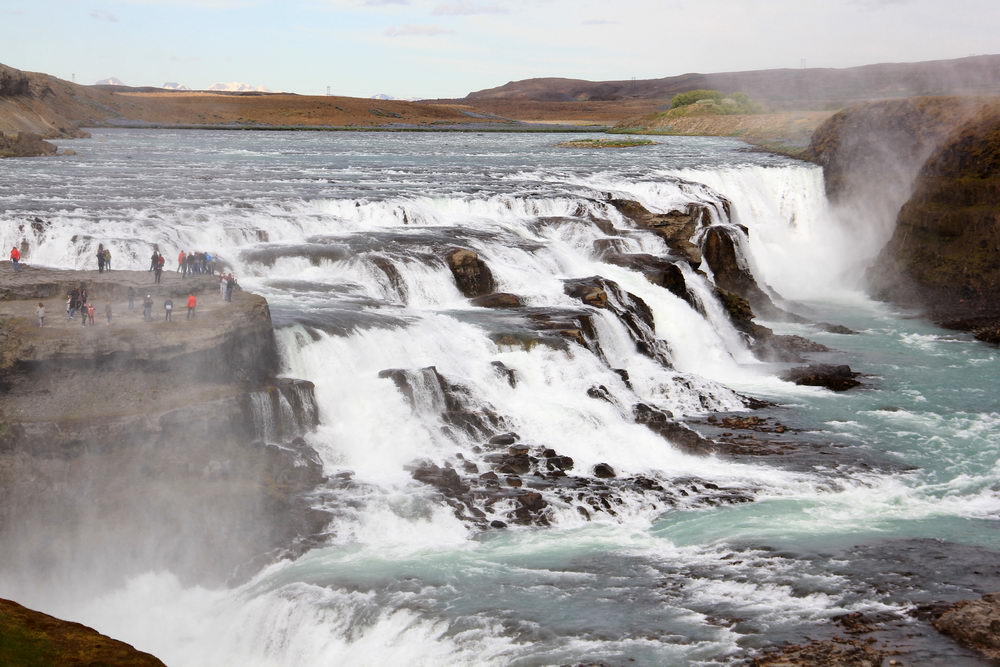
781,88
35,103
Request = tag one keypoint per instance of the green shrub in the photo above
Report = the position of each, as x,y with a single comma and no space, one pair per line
711,103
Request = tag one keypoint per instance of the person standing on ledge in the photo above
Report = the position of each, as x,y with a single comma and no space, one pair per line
180,262
192,304
168,309
147,308
157,272
40,312
15,258
83,313
153,259
100,258
107,259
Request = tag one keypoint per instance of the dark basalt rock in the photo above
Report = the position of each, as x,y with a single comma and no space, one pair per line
446,480
777,347
452,401
604,471
837,651
600,392
629,309
505,372
661,423
974,623
837,378
498,300
659,271
676,228
472,276
834,328
723,256
385,265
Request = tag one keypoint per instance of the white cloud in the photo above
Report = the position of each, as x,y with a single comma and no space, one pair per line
412,30
101,15
465,8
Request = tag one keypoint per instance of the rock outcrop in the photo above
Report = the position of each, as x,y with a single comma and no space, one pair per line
472,276
24,144
142,445
945,252
32,639
676,228
975,624
933,165
837,378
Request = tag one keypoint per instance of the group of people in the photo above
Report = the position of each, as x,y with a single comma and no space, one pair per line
196,263
77,301
103,258
168,306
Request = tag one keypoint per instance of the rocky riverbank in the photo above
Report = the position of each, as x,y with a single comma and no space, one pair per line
136,445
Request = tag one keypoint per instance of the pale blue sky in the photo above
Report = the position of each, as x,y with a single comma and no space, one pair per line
447,48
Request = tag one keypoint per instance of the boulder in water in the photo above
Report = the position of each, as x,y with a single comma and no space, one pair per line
974,623
604,471
472,275
837,378
498,300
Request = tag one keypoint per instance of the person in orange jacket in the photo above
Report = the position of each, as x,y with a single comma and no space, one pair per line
15,258
192,304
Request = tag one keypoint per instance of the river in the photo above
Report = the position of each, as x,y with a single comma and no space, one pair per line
894,502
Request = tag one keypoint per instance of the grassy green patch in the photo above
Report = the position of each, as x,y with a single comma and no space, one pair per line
605,143
20,646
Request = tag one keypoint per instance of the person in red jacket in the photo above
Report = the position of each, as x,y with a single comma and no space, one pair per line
180,262
15,258
192,304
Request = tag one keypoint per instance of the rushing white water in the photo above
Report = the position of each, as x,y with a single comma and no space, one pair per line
311,221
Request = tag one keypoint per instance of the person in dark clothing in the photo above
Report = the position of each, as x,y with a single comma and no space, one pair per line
147,308
154,260
74,302
168,309
230,286
83,314
157,272
131,298
83,294
100,258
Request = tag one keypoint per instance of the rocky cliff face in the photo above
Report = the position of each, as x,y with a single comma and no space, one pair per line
937,162
138,445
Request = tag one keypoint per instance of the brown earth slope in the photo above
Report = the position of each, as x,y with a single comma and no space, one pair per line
40,104
32,639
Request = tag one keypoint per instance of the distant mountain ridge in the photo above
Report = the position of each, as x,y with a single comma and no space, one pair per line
780,87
